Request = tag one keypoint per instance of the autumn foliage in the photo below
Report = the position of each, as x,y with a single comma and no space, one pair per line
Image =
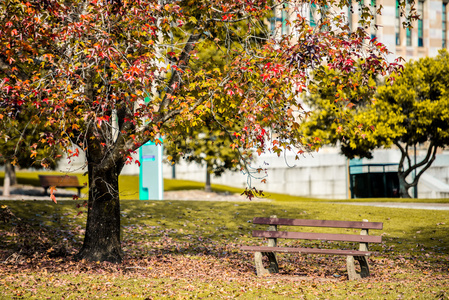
87,67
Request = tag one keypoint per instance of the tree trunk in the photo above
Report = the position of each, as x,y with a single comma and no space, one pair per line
10,178
208,187
403,187
102,237
7,179
13,177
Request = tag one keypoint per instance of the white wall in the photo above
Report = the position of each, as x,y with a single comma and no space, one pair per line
322,174
78,165
314,175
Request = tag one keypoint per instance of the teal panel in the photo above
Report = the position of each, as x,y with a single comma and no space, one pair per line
151,182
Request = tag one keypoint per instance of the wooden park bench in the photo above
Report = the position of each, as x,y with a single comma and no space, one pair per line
62,181
273,234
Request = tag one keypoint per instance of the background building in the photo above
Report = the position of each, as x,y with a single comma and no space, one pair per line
425,38
428,35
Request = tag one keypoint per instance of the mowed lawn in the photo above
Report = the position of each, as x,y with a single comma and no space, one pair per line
190,249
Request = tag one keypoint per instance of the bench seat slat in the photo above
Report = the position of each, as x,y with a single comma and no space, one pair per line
306,250
60,181
318,223
318,236
63,181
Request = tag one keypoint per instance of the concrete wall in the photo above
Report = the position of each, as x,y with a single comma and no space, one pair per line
321,175
78,165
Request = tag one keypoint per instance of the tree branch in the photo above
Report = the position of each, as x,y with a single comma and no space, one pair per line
175,80
432,148
403,155
430,157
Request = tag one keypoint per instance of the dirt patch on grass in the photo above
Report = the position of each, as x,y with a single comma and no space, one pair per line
200,195
29,192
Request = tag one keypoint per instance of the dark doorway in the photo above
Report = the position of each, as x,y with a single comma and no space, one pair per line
374,181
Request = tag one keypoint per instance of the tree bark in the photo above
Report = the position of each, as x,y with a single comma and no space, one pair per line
102,237
406,167
13,177
7,180
403,186
207,186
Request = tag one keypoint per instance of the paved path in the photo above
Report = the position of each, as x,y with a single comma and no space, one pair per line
23,192
430,206
28,192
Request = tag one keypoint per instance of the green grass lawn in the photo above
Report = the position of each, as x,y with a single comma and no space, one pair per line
129,188
128,184
190,249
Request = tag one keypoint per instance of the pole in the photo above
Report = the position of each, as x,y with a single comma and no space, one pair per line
415,188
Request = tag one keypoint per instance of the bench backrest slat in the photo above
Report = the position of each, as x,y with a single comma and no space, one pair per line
61,181
318,223
318,236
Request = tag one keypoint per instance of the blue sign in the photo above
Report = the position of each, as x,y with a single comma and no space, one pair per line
151,182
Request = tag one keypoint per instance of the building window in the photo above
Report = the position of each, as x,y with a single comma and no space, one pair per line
408,36
319,16
279,20
373,25
350,15
408,32
324,12
397,24
312,15
420,24
444,25
285,19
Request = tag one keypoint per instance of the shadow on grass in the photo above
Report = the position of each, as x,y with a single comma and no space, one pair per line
30,240
176,231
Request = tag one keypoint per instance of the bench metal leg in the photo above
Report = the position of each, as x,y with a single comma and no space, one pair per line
364,267
272,268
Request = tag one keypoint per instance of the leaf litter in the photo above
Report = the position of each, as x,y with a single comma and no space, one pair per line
161,262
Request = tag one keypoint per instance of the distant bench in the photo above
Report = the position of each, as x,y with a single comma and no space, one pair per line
62,181
272,234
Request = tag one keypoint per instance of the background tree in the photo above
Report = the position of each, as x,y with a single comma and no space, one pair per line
24,146
409,112
419,101
331,122
207,146
94,62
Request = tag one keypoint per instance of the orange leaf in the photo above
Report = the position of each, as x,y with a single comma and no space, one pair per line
52,195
